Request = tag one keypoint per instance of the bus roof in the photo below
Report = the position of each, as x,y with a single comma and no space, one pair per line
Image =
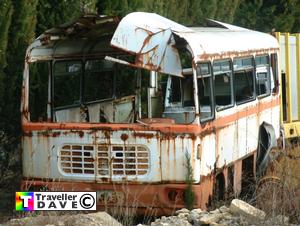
87,36
151,38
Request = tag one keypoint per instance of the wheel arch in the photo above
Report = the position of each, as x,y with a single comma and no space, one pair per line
266,141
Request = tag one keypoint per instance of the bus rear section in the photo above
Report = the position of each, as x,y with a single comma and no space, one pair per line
148,112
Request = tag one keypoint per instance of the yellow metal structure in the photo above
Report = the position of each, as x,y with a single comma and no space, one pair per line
290,82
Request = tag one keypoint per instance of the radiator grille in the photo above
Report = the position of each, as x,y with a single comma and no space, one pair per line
129,160
77,159
104,160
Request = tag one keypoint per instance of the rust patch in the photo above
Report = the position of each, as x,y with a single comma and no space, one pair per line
104,179
207,132
45,133
81,134
106,134
102,128
193,137
56,134
124,137
27,134
231,54
168,136
143,135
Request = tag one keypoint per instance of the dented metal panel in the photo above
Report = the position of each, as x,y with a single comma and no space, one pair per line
71,38
151,40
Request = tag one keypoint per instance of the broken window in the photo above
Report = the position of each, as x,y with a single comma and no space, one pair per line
205,91
98,80
262,75
223,84
67,76
175,92
243,79
179,103
188,91
84,91
38,91
181,91
125,81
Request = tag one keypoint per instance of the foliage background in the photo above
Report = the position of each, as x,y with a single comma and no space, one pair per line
23,20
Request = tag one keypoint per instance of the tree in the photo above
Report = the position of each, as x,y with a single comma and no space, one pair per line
21,33
277,14
6,11
296,26
209,8
113,8
56,12
246,14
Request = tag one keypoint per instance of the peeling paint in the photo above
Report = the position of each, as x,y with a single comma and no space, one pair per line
147,155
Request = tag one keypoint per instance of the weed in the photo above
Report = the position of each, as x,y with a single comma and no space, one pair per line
189,194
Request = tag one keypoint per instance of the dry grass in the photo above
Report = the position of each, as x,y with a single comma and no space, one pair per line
126,206
278,192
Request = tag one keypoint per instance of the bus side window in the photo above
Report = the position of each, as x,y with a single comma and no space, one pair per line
205,92
274,66
243,79
38,90
67,76
223,84
262,75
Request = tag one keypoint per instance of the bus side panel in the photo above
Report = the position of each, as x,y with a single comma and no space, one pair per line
177,154
102,156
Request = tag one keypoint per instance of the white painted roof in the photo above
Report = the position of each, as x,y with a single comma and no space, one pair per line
224,39
209,43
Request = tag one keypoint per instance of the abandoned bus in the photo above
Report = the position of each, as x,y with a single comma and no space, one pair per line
139,109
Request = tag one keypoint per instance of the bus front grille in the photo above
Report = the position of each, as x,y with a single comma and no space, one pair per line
77,159
104,160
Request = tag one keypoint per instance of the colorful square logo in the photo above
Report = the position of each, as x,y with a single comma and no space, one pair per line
24,201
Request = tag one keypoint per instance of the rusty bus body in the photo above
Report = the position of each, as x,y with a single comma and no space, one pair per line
219,115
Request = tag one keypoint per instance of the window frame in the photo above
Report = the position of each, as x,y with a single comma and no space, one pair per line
275,72
48,100
268,69
253,78
115,69
53,86
212,117
174,103
82,85
221,108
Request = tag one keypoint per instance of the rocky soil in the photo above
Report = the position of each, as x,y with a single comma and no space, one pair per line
91,219
238,213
